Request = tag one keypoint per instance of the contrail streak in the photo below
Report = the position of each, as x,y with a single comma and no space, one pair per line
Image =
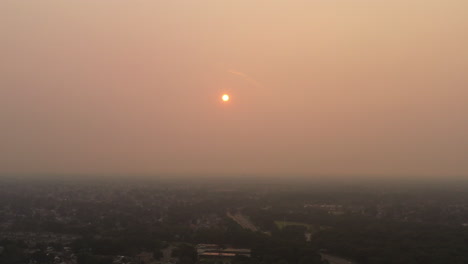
245,77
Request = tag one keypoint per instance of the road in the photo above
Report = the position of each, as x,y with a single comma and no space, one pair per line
243,221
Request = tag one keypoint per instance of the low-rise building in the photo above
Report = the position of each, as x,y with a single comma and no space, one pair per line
216,253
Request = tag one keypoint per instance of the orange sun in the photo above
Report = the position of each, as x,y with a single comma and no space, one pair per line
225,97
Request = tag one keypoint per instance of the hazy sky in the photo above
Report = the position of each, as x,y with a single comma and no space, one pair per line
318,87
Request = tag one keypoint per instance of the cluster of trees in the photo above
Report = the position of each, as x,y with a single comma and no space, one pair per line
287,246
123,245
12,252
379,242
373,241
19,252
185,253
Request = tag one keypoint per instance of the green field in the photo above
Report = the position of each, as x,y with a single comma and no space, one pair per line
282,224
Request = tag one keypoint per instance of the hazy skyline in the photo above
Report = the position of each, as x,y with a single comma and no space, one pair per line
332,87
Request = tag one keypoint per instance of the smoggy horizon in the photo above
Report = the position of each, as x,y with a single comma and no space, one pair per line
371,88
